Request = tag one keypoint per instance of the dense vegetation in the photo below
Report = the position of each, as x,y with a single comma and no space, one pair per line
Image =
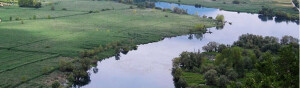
253,62
278,14
296,2
29,3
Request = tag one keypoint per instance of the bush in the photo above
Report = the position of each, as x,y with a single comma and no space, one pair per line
64,9
211,47
220,18
210,77
130,7
200,27
10,18
17,18
29,3
66,66
56,84
179,11
198,5
236,2
222,81
166,9
34,17
52,7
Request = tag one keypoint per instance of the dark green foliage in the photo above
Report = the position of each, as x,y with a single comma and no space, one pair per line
235,2
288,66
211,77
261,62
56,84
222,81
198,5
66,66
29,3
288,39
179,11
181,83
85,63
266,11
280,15
231,74
296,2
10,18
52,7
189,60
250,41
211,47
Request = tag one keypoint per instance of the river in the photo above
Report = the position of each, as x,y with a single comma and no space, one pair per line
150,65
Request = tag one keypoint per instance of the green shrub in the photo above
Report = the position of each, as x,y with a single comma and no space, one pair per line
34,17
52,7
17,18
220,18
10,18
64,9
29,3
179,11
235,2
56,84
200,27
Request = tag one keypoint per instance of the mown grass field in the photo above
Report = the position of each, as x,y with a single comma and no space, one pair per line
251,6
31,48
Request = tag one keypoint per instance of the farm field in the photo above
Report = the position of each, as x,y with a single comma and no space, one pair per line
35,40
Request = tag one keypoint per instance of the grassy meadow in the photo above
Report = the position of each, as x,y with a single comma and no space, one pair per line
32,46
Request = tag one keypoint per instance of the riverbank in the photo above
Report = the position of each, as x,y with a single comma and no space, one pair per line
34,41
249,6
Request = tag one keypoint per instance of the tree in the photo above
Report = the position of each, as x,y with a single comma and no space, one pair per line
221,47
288,66
222,81
265,65
211,47
288,39
29,3
182,83
231,74
210,77
220,18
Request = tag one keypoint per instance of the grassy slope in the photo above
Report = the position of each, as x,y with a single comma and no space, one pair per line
251,6
73,31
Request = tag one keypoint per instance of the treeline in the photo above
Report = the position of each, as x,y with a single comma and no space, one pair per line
265,11
30,3
296,2
252,62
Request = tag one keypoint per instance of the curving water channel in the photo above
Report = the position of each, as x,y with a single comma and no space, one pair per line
150,65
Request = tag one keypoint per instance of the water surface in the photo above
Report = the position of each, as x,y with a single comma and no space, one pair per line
150,65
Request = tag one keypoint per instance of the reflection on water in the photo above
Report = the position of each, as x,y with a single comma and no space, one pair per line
150,65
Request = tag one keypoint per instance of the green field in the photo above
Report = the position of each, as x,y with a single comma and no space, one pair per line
251,6
29,47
